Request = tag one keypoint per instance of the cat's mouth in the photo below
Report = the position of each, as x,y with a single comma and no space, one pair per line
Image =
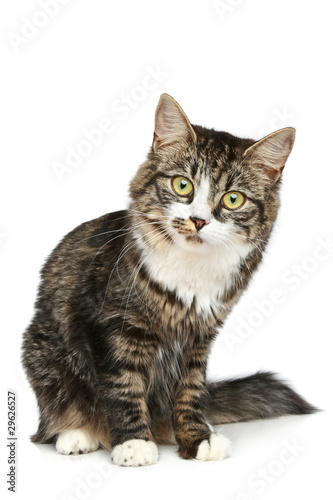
187,230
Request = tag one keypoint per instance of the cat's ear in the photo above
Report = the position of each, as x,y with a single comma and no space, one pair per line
272,152
171,124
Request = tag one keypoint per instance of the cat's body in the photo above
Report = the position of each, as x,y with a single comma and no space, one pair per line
130,303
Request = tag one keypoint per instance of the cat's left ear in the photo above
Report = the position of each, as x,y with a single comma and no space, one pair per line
272,152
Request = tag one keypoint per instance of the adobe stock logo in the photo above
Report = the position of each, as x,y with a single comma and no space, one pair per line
225,7
3,237
280,118
292,280
263,477
30,28
121,108
84,488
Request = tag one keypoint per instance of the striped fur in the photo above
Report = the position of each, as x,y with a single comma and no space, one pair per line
130,303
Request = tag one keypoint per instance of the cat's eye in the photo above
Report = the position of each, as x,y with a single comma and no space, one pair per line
233,200
182,186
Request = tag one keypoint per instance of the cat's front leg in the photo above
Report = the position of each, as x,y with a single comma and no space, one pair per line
193,434
125,390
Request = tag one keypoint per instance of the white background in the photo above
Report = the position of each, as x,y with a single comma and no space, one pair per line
248,67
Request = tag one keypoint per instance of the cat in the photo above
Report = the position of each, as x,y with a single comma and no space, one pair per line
130,303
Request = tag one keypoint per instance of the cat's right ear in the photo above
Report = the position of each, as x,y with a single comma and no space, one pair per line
171,124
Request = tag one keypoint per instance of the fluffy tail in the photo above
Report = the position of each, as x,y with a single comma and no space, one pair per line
257,396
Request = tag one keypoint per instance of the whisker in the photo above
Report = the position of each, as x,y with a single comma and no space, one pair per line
123,252
119,236
146,289
249,237
138,267
101,234
149,213
101,248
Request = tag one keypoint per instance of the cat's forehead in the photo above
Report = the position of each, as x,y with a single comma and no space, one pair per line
220,145
216,154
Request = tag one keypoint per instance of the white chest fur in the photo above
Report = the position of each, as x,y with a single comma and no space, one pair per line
203,274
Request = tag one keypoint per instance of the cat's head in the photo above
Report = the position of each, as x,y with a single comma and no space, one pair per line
202,189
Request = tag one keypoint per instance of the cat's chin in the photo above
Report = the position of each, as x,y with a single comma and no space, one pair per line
194,240
192,243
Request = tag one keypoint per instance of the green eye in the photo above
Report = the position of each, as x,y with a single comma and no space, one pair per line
233,200
182,186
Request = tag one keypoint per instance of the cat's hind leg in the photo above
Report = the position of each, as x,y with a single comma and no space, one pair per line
64,381
82,437
74,441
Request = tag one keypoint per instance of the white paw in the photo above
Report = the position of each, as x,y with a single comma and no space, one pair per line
134,453
216,448
74,441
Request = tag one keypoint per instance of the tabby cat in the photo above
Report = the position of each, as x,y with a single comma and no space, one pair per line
130,303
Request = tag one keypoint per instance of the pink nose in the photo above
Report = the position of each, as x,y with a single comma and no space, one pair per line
199,223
